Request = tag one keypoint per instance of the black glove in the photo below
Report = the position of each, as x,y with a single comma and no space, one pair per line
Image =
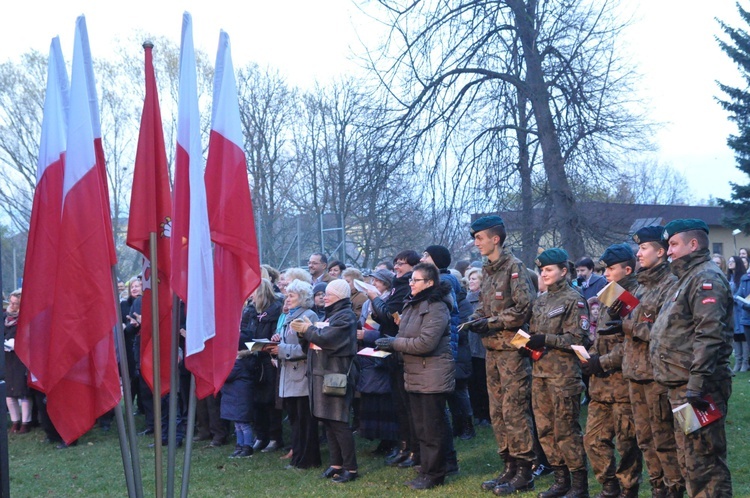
696,401
593,366
480,327
384,343
536,341
613,327
614,310
525,352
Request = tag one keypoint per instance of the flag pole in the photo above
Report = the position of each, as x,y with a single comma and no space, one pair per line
4,457
173,395
158,473
127,462
127,433
189,440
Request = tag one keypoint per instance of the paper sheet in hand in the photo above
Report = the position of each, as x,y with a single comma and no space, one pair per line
257,344
613,292
580,352
520,339
365,287
690,420
372,352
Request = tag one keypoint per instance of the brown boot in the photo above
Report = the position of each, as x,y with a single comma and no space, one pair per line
580,487
610,489
25,428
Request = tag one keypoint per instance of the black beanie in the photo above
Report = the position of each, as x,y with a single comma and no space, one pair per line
440,255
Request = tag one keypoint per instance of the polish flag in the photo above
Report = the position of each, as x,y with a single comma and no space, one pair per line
35,319
236,262
150,212
82,382
192,266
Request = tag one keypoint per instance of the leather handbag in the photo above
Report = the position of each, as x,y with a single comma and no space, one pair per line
334,384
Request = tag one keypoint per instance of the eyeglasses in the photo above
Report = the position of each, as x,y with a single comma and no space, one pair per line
398,263
412,280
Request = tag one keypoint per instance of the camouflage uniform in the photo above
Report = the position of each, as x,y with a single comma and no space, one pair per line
563,316
691,342
507,296
654,427
610,415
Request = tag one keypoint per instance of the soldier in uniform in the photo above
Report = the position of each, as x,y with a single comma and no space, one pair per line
610,414
654,427
691,341
559,320
505,306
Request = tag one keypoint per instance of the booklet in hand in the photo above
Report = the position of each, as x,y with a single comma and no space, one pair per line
689,419
613,292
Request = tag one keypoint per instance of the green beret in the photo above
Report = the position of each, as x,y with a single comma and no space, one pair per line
554,256
484,223
616,253
687,225
651,233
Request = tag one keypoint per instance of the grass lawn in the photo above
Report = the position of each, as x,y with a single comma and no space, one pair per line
94,467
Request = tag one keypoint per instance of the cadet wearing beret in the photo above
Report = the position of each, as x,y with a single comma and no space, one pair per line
654,427
610,415
504,307
691,342
560,319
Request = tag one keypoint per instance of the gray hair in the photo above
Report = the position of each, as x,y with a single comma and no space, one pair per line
304,290
297,274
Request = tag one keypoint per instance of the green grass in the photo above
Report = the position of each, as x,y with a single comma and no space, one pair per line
94,467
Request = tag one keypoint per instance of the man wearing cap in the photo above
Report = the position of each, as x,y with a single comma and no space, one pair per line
691,341
504,307
654,427
610,414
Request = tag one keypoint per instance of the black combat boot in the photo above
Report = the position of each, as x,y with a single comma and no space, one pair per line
610,489
510,470
522,481
658,488
580,487
560,486
675,492
629,493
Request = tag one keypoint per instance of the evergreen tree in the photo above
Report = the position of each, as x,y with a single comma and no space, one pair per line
737,103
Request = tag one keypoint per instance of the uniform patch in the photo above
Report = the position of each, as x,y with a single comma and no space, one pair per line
498,295
707,286
557,311
581,305
709,300
647,317
514,275
585,322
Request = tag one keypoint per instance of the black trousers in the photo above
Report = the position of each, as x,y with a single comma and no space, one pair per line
305,440
480,401
430,424
341,444
401,403
208,419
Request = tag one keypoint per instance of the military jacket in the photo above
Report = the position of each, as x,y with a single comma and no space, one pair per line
505,299
653,287
562,315
610,386
691,339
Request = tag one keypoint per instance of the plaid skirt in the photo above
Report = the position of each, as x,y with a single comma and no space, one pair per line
377,417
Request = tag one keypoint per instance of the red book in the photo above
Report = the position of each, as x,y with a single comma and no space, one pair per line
691,419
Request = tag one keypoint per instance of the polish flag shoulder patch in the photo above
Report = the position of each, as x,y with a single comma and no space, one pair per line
581,305
707,286
514,275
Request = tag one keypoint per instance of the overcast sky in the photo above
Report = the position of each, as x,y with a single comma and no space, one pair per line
671,42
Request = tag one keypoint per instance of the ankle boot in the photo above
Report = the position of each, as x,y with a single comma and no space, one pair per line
400,456
468,431
658,488
580,486
560,486
675,492
511,468
522,481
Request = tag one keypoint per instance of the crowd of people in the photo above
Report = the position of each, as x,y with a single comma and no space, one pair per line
416,354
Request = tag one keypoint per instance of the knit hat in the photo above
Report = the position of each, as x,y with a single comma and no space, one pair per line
339,288
440,255
384,276
319,287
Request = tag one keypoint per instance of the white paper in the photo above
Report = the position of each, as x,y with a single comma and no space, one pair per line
581,352
365,287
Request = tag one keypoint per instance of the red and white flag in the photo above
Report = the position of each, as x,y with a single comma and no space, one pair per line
150,211
192,266
82,382
35,320
230,209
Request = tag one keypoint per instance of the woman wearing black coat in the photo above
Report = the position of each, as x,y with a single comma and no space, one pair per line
17,395
331,347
